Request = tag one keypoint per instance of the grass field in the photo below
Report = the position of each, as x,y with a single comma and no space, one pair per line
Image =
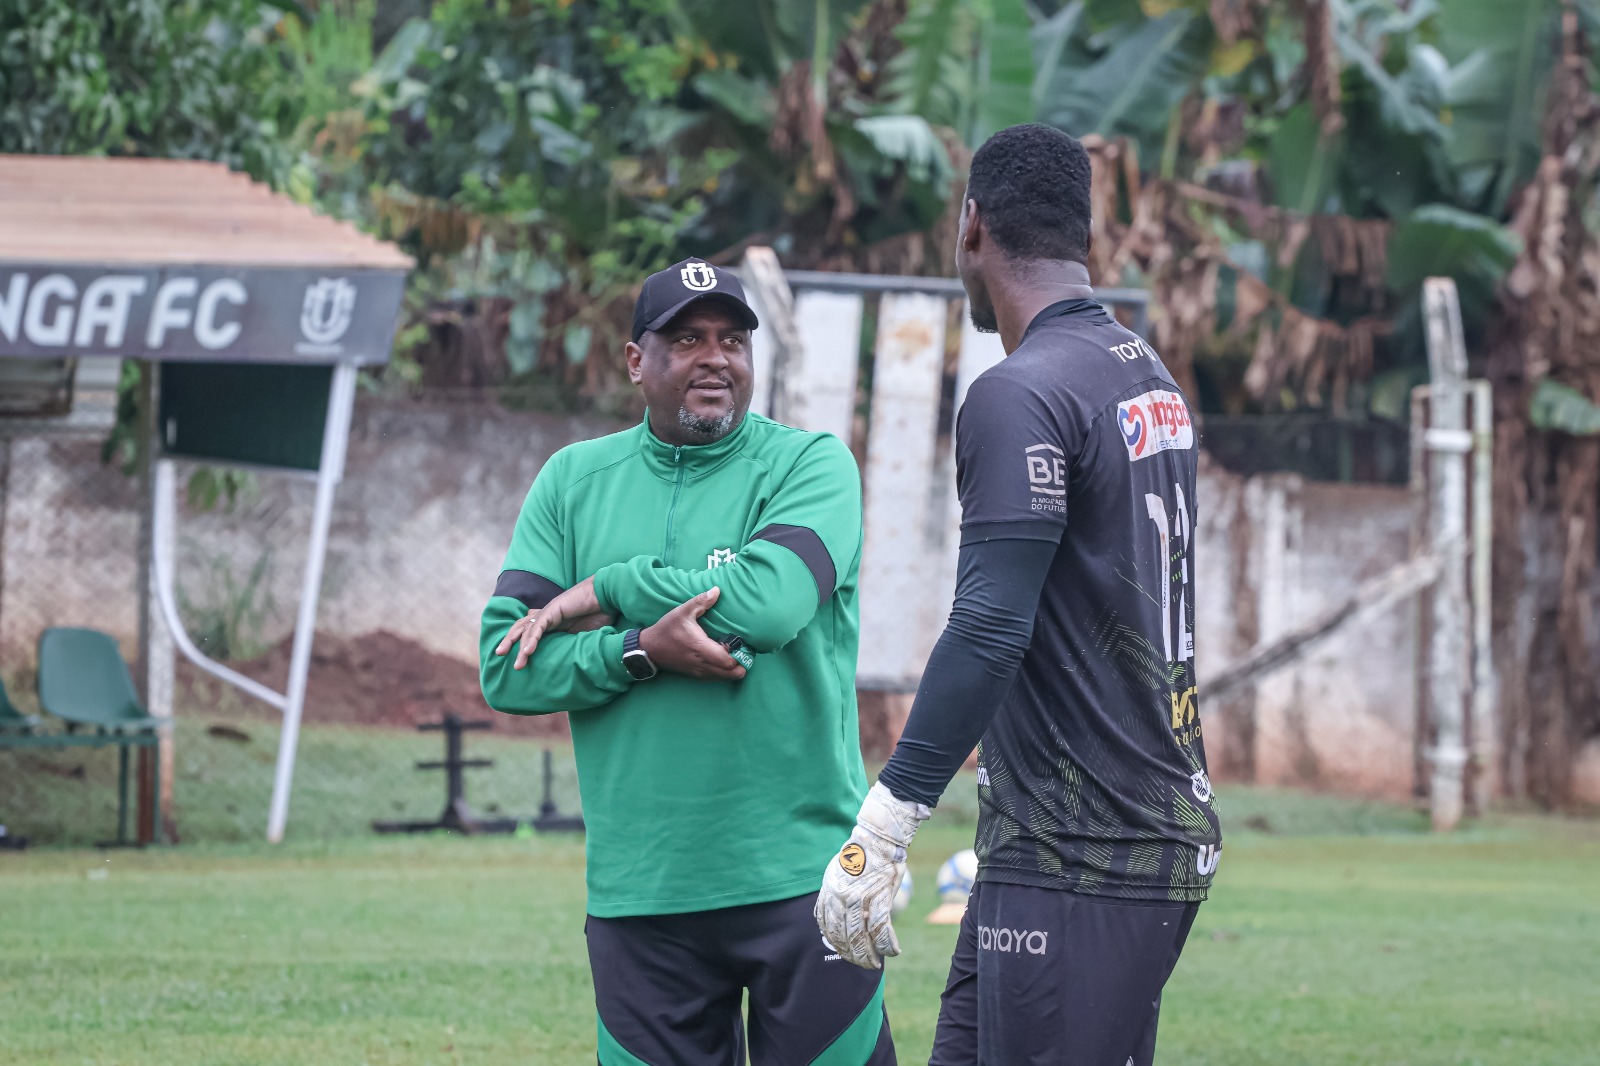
1338,933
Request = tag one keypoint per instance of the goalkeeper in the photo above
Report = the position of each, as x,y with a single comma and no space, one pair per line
1069,652
712,797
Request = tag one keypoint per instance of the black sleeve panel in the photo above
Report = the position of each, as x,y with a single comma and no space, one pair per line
1013,459
531,589
809,547
973,665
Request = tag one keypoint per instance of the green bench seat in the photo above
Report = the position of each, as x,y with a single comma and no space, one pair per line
84,683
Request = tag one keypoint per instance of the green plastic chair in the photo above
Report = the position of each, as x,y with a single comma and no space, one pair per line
13,720
84,682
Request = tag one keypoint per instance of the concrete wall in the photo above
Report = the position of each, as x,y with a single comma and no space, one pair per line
1275,552
420,529
68,554
431,494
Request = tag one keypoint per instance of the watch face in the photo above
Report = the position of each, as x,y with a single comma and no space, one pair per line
638,665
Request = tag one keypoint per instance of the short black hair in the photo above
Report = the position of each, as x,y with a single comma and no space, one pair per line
1032,187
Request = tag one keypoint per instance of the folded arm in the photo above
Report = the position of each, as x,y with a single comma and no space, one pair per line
573,671
808,533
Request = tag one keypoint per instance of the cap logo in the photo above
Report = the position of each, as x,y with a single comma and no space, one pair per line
698,277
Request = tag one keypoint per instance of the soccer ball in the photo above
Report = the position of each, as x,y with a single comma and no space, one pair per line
902,898
957,875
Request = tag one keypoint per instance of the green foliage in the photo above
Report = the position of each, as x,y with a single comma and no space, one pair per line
908,140
187,79
934,75
326,54
1133,83
1440,104
965,65
1501,56
1563,409
209,486
227,614
1440,240
122,446
1370,35
1298,156
549,154
1005,77
1390,156
1056,41
555,126
768,36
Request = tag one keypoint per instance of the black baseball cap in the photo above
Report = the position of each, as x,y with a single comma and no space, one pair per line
667,292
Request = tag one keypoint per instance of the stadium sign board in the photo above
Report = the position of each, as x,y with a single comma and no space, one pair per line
208,314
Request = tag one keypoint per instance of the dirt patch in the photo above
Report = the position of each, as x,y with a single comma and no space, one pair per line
376,679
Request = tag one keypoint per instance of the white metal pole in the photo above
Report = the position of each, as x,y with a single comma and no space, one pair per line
336,429
1485,728
1419,540
1448,442
149,391
160,664
164,523
777,342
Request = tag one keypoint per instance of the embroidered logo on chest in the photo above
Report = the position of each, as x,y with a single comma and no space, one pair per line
720,557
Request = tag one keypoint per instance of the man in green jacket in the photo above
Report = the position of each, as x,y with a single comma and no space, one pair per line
713,795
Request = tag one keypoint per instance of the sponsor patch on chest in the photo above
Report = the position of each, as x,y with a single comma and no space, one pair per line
1154,421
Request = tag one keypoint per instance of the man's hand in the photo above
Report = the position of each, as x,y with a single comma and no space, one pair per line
677,643
858,888
573,611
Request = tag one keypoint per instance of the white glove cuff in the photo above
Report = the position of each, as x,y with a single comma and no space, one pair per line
895,820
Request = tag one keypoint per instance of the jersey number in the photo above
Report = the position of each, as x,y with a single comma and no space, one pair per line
1174,534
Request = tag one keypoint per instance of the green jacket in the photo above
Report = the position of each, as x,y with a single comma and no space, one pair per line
697,794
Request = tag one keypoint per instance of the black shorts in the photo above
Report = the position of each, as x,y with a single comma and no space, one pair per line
668,990
1042,977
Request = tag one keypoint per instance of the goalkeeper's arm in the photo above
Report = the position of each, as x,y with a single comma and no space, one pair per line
969,673
972,666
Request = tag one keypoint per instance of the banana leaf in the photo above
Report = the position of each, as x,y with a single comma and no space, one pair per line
1134,85
1501,54
1563,409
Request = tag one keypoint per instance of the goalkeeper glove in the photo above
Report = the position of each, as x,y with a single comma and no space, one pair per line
858,888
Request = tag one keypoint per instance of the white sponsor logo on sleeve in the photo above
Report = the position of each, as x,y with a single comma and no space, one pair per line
1047,478
1047,469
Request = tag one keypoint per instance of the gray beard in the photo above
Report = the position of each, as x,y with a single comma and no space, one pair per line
705,429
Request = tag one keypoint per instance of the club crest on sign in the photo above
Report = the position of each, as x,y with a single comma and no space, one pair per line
698,276
328,308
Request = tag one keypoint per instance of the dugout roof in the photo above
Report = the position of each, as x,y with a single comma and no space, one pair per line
183,260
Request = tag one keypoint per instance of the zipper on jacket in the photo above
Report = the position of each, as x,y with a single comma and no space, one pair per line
672,508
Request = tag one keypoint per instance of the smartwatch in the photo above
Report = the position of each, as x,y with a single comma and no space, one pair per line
634,658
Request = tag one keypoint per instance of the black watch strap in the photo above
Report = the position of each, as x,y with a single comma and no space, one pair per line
635,659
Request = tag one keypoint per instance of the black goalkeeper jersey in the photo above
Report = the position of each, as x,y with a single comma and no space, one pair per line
1092,773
